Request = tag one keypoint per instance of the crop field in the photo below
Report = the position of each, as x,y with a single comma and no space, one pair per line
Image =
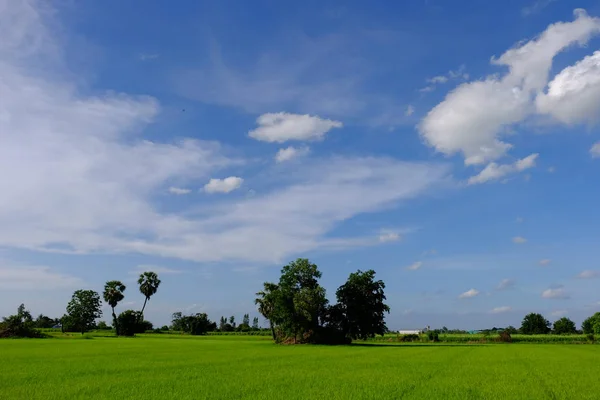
251,367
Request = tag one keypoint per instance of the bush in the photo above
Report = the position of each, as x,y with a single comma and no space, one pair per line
20,325
505,337
433,336
130,323
412,337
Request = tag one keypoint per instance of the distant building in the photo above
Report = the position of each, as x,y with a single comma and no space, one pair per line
410,331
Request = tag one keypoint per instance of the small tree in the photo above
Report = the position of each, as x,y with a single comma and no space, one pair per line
246,319
44,322
266,301
84,309
128,322
535,324
255,323
588,325
149,284
113,294
564,326
232,321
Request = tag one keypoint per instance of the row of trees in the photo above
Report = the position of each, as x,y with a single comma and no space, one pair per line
84,309
535,323
298,311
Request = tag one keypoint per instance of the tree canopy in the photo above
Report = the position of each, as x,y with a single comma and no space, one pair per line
149,284
84,309
113,294
564,326
535,324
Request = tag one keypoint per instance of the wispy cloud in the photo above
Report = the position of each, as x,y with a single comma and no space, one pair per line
535,7
415,266
519,240
178,191
155,268
555,293
505,284
588,274
500,310
545,261
469,293
20,277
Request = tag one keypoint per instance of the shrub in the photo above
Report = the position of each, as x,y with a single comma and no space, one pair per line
505,337
412,337
433,336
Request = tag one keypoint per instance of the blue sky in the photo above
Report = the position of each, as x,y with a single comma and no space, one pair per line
453,149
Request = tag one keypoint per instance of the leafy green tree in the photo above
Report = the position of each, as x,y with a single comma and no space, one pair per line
266,300
44,322
246,319
232,321
195,324
564,326
301,302
588,325
535,324
84,309
103,326
222,323
19,325
361,306
113,294
128,322
149,284
255,324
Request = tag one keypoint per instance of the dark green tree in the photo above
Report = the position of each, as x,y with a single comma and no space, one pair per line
266,300
255,324
361,309
43,322
222,323
246,319
588,325
149,284
195,324
535,324
113,294
84,309
232,321
564,326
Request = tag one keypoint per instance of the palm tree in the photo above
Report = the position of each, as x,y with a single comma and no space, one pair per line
266,303
149,283
113,294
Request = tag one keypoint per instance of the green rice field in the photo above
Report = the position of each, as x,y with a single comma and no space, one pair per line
252,367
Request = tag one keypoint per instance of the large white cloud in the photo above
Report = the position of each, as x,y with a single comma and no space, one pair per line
475,117
282,127
573,95
77,177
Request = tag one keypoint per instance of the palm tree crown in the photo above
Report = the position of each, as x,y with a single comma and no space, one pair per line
149,283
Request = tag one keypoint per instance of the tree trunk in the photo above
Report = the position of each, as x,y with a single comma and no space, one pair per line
144,306
115,322
272,330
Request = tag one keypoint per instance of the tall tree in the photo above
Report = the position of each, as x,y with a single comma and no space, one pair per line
266,303
84,309
535,324
246,319
232,321
255,323
113,294
301,301
149,284
564,326
361,306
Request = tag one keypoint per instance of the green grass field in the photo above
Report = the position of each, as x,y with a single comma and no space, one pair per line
246,367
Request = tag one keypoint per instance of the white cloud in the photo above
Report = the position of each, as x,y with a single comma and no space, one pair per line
473,117
595,150
410,110
551,169
505,284
545,261
148,56
499,310
389,236
588,274
519,240
282,127
35,278
226,185
535,7
415,266
290,153
494,171
76,177
441,79
559,313
469,293
573,95
179,191
438,79
556,293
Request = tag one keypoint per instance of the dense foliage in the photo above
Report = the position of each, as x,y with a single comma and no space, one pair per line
130,322
534,323
20,325
298,311
83,310
592,324
195,324
564,326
